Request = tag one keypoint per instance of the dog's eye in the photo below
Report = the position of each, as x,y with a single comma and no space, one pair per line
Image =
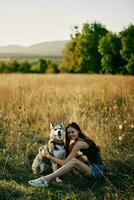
55,129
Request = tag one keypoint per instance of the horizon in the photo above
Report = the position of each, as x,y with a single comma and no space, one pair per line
33,22
17,45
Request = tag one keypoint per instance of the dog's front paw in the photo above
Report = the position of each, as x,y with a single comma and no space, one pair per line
58,180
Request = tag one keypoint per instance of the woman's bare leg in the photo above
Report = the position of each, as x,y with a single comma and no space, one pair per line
73,163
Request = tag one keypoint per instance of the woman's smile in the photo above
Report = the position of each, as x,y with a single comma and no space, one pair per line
72,133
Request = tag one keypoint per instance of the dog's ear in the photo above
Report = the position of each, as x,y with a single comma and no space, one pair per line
62,125
51,125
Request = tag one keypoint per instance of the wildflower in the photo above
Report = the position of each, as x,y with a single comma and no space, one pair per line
114,107
125,121
20,133
120,138
106,119
120,126
132,126
1,116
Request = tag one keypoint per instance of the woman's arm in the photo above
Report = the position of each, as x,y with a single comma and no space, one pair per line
45,153
56,160
78,145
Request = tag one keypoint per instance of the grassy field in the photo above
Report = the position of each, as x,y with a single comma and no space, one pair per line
102,105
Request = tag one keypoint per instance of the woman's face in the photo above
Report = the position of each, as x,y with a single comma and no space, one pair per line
73,134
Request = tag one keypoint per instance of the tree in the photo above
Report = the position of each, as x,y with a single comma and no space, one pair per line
2,67
71,61
109,47
91,58
35,68
52,67
43,65
67,63
127,51
81,52
12,66
25,67
130,65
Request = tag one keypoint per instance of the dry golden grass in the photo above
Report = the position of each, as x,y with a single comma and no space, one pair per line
103,106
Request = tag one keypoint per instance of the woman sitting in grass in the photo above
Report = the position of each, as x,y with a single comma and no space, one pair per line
93,166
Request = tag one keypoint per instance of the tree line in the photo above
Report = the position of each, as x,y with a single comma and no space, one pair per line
94,49
40,66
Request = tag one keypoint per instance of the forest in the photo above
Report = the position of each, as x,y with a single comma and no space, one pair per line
92,50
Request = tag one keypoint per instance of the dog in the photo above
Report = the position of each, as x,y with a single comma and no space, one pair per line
55,147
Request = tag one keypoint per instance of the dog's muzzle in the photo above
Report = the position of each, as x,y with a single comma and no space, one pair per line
59,134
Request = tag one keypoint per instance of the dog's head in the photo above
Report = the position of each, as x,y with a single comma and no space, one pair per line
57,132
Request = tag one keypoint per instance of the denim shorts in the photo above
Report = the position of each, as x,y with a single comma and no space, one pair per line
97,171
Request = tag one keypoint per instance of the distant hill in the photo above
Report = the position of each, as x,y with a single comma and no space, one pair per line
53,48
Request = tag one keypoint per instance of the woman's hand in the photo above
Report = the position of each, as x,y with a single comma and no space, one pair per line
43,152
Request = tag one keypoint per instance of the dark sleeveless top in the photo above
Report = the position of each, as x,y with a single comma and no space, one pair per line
92,154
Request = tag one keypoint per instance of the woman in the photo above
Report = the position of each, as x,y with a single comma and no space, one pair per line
92,167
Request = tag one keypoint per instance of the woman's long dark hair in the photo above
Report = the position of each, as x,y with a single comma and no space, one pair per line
81,135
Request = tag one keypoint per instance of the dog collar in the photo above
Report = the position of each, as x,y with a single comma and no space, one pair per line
57,142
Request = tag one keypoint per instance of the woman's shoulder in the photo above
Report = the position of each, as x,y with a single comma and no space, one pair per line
82,142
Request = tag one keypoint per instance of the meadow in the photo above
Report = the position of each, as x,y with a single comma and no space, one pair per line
103,106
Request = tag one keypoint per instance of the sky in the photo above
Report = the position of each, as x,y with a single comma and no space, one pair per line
27,22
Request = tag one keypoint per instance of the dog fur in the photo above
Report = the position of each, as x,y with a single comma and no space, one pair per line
55,147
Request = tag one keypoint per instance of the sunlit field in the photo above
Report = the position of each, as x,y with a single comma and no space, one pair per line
103,106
